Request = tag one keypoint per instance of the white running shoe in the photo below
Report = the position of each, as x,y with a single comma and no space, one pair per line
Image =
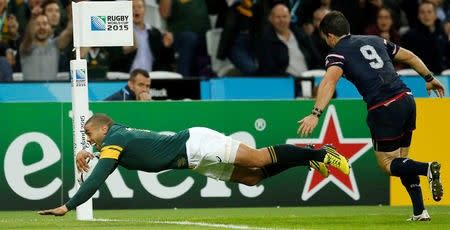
422,217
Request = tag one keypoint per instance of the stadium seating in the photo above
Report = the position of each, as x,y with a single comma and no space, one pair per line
18,76
63,76
117,76
165,75
405,72
221,67
308,84
446,72
314,73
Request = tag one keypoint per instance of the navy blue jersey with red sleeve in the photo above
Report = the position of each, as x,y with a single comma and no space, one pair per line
367,63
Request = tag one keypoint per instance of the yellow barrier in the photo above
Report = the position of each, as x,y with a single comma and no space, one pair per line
431,142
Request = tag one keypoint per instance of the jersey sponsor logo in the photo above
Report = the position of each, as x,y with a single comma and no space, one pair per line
351,148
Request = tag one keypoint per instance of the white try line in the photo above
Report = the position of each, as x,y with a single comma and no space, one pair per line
202,224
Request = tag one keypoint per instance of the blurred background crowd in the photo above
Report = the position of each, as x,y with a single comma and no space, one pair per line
211,38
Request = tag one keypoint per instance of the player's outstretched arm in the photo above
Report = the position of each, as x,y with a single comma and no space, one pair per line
100,173
324,95
432,84
59,211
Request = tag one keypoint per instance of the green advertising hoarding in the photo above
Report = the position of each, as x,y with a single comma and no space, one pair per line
37,157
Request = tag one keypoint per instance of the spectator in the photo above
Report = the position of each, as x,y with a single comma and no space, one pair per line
440,11
361,13
8,25
51,8
5,70
384,26
9,39
428,40
137,89
24,11
152,48
286,50
39,53
9,54
305,13
237,41
320,44
187,22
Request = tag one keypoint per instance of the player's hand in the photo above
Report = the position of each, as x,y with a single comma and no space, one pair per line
80,160
60,211
436,86
307,125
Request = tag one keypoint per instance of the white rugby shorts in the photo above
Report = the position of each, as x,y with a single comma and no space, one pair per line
211,153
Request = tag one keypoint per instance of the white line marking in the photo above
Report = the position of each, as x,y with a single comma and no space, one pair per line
203,224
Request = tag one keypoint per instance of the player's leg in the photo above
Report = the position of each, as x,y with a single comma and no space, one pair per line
291,155
391,129
215,155
392,159
252,176
406,181
247,176
411,167
433,176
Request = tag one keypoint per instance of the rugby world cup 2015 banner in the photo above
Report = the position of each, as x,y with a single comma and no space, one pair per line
37,161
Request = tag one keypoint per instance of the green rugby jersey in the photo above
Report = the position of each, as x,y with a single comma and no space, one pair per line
136,149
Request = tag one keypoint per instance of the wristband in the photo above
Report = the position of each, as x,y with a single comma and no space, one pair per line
316,112
428,78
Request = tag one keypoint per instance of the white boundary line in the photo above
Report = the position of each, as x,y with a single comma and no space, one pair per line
202,224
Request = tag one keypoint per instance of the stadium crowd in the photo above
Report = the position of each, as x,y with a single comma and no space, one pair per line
35,36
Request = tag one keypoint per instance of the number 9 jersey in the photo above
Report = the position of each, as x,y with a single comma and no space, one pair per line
367,63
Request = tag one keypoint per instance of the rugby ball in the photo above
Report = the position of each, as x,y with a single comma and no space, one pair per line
82,176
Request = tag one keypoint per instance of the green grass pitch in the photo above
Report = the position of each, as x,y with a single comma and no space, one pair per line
344,217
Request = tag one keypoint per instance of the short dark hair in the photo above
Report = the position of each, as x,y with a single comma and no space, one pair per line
428,2
100,119
135,72
335,23
49,2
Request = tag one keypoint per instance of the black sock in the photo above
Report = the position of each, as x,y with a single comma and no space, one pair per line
412,185
408,167
291,154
